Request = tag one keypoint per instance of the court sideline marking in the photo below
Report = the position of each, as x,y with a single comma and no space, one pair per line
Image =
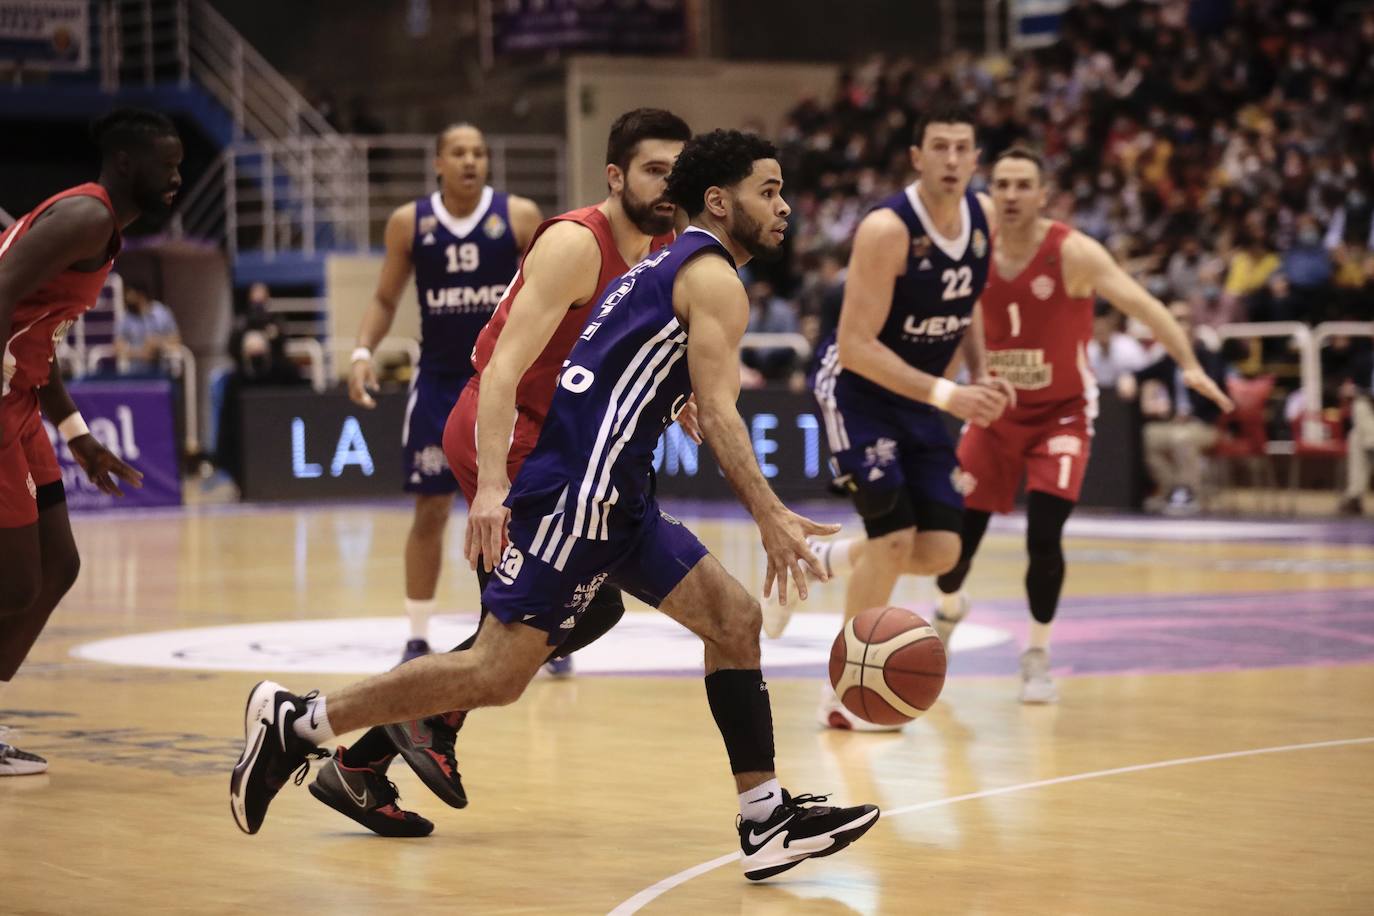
653,892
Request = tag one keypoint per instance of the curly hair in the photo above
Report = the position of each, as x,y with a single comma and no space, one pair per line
716,160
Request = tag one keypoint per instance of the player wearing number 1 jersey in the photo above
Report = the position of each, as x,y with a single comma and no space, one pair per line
1038,316
463,243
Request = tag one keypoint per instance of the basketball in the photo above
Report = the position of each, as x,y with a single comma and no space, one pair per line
887,665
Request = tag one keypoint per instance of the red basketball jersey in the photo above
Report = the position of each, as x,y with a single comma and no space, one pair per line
1037,334
42,318
535,391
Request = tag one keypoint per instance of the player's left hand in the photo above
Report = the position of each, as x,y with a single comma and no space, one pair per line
998,383
102,465
1202,383
689,421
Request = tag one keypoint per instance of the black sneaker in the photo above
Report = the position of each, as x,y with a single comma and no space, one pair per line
800,828
427,745
272,751
414,649
367,796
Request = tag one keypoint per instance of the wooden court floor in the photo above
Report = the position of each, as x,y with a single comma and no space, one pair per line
1213,750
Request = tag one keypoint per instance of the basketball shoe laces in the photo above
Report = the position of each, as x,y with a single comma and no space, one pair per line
315,753
795,803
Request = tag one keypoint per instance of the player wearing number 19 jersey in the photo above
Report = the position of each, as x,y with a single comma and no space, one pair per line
463,243
1038,313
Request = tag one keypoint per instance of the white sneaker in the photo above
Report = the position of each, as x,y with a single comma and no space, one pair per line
777,616
949,611
1036,684
832,714
14,762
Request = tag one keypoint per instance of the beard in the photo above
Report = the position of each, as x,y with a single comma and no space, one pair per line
150,203
642,213
748,233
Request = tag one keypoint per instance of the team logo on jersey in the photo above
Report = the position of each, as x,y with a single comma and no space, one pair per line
1043,287
430,461
509,567
1066,444
494,226
963,482
427,225
980,243
920,247
584,593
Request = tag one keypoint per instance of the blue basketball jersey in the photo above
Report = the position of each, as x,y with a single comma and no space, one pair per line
624,381
462,267
932,302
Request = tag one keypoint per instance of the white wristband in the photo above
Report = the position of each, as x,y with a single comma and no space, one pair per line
941,392
362,353
73,426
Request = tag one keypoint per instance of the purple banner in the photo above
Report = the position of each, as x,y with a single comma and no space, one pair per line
611,26
133,419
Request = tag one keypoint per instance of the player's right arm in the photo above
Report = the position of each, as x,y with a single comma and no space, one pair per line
878,259
71,231
381,311
560,270
709,295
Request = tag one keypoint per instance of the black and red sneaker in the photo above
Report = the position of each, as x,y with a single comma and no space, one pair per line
427,745
367,796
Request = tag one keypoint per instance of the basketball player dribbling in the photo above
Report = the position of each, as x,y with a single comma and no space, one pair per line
463,242
1038,318
53,263
919,262
581,513
570,262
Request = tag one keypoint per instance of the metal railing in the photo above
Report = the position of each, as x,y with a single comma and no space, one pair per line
305,195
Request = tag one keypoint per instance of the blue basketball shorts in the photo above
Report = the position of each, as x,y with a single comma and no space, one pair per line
547,577
432,396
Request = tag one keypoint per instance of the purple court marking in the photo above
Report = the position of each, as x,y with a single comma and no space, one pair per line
1175,634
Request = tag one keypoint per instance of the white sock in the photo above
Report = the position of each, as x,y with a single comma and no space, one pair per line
841,561
314,725
952,606
1040,635
419,612
758,803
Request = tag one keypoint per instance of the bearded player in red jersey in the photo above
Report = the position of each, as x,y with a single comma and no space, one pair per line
53,263
570,261
1037,320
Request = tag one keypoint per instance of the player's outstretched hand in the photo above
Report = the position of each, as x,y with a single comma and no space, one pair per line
980,405
486,531
784,536
362,379
688,420
1202,383
102,466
